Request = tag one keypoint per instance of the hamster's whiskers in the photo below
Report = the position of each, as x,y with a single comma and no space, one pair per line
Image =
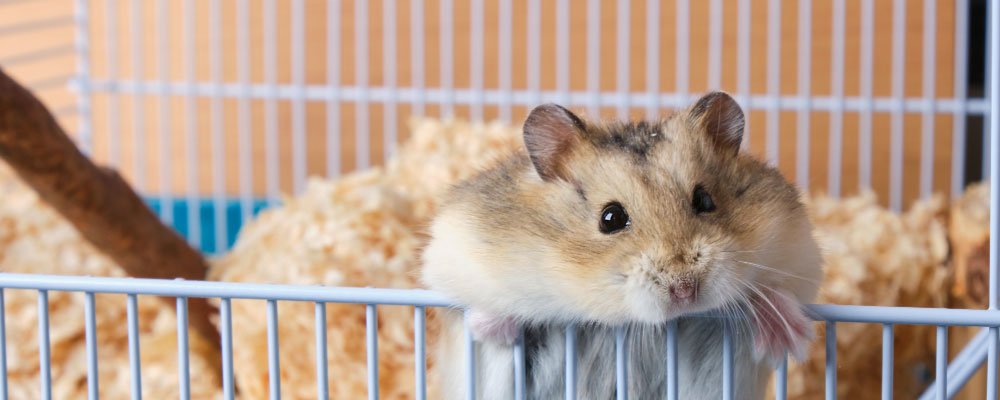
758,250
733,307
775,270
762,296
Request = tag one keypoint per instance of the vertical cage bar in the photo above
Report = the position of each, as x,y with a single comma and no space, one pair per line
927,120
562,51
683,54
322,386
45,370
420,351
727,361
837,114
447,57
113,111
132,313
621,363
594,58
298,72
831,360
570,379
941,363
166,128
371,349
865,118
273,358
243,128
715,45
652,58
476,45
743,63
82,44
519,368
781,380
534,50
991,359
417,54
218,144
333,61
961,92
138,104
90,332
183,374
622,56
896,127
270,61
3,346
226,335
672,389
773,77
994,148
994,124
887,361
190,126
389,115
470,360
804,71
361,131
505,60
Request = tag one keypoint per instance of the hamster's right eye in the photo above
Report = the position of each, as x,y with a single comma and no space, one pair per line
614,218
701,201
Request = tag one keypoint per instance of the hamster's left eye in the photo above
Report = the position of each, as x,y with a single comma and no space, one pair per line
701,201
614,218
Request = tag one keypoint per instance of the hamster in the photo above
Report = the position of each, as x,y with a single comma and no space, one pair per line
607,224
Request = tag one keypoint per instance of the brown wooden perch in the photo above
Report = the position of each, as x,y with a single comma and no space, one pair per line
96,200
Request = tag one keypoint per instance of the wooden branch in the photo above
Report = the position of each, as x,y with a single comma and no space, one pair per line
97,201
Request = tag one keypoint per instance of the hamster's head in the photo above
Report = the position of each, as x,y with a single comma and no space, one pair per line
625,222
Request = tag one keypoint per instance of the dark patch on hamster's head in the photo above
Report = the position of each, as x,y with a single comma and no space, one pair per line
635,138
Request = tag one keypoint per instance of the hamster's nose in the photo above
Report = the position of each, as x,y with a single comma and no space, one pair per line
684,290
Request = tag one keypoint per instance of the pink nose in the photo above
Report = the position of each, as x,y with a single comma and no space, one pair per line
684,290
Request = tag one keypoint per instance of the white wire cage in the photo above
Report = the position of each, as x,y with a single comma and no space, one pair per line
274,92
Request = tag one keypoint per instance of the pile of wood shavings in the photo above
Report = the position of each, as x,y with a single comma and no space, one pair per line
880,258
365,229
35,239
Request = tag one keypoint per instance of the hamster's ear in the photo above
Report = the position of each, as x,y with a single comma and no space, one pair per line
720,117
550,132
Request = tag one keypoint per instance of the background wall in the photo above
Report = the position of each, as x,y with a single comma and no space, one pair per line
156,153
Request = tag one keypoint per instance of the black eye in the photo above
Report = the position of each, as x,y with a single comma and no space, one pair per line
614,218
701,202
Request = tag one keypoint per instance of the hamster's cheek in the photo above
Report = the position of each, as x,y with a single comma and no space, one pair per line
645,306
644,299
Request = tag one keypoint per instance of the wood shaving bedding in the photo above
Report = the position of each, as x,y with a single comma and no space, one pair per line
367,229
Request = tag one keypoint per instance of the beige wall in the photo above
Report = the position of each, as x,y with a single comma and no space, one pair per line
13,45
315,63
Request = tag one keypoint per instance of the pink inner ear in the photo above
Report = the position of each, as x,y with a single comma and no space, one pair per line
780,327
491,328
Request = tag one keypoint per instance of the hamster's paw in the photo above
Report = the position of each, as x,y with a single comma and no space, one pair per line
492,328
781,327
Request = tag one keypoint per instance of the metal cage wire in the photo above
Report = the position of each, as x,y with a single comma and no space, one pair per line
447,96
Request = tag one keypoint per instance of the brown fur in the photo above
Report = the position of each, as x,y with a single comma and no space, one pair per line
523,241
649,167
